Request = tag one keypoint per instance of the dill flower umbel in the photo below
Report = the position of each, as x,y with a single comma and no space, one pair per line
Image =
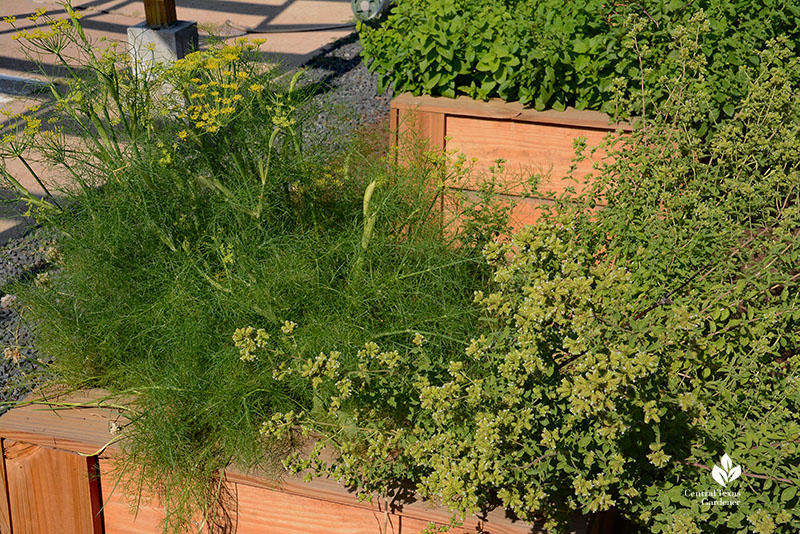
39,12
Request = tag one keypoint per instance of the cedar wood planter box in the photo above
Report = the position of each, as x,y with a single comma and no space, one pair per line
55,480
529,140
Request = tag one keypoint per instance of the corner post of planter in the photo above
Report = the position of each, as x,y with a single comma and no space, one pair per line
162,38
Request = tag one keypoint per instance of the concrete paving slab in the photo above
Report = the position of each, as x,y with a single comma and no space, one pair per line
285,22
12,221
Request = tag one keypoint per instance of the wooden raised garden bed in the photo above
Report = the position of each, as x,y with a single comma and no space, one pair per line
55,472
529,141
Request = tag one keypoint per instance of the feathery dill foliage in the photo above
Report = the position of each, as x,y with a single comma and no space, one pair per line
196,211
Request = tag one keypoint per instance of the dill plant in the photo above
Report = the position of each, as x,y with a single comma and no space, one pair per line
198,227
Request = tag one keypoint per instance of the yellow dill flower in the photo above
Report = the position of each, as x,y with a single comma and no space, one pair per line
8,138
53,120
227,73
227,110
195,80
213,128
10,20
259,42
40,35
242,75
256,87
39,12
236,97
204,116
58,24
199,124
20,35
183,134
213,84
214,93
33,126
226,100
34,109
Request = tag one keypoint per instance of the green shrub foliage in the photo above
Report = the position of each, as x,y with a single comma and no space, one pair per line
553,54
631,338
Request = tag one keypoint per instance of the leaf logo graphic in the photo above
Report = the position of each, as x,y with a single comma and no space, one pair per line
727,473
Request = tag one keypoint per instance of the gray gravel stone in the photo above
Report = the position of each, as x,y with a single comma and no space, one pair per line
20,260
349,92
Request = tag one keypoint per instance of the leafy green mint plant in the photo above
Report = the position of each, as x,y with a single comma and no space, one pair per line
551,54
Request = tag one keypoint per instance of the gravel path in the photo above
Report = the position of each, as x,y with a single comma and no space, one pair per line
20,260
352,99
349,99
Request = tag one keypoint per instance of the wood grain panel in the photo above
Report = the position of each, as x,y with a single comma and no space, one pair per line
49,490
545,149
82,429
524,210
412,508
5,511
498,109
261,510
393,127
117,510
419,131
